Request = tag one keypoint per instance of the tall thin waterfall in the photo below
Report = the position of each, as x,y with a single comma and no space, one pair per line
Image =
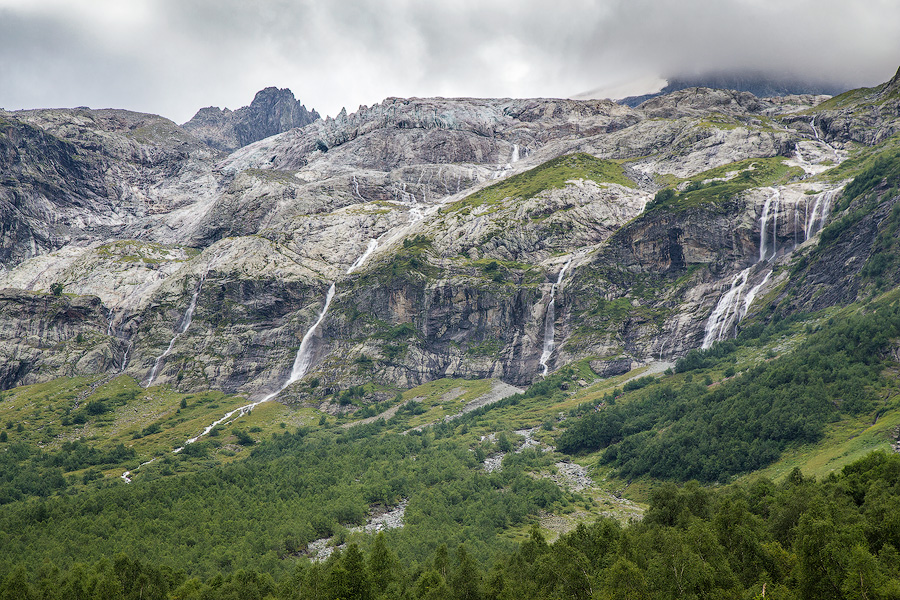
734,304
185,323
773,202
504,169
820,211
125,358
373,244
302,361
812,123
726,313
550,322
751,295
304,354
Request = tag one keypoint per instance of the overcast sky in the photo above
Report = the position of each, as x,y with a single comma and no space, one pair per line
172,57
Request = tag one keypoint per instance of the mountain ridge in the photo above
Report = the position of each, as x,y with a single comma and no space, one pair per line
305,203
759,84
271,112
239,367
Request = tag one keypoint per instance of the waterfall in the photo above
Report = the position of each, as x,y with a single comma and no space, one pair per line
302,361
734,304
762,228
356,188
550,322
185,323
373,244
125,357
820,211
776,203
727,311
301,365
304,353
751,295
774,199
504,169
812,123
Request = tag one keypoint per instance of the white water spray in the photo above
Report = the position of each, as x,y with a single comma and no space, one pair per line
820,211
373,244
550,322
302,361
812,123
125,357
504,169
751,295
772,201
733,306
725,315
185,323
356,188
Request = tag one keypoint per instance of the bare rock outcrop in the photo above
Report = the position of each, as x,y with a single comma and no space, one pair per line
141,219
272,111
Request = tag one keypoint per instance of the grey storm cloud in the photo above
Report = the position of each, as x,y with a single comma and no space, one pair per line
174,56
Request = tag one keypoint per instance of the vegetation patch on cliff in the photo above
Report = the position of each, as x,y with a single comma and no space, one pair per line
724,183
554,174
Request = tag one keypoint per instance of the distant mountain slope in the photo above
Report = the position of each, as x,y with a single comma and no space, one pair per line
425,238
272,111
758,84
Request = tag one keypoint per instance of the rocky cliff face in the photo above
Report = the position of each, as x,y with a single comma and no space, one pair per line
76,176
457,235
272,111
44,336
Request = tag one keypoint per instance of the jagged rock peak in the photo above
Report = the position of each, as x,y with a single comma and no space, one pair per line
272,111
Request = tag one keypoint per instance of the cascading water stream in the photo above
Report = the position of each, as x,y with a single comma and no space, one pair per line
304,354
773,199
550,322
185,323
504,169
125,357
373,244
821,208
733,306
356,188
751,295
812,123
726,313
302,361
